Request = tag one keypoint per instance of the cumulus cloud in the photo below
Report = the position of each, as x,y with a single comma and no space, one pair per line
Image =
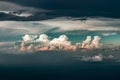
86,43
29,38
43,38
62,40
62,43
28,43
30,48
96,42
32,43
22,47
90,44
44,44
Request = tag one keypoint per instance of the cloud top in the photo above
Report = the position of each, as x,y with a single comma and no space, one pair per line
43,43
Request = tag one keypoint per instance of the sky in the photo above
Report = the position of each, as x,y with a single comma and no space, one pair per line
75,19
68,38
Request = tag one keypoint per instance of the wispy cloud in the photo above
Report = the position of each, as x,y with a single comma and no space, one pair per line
91,24
7,44
19,10
30,27
109,34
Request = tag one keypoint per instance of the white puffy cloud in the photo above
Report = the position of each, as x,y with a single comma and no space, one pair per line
90,44
29,38
87,42
60,43
43,38
31,48
96,42
44,44
62,40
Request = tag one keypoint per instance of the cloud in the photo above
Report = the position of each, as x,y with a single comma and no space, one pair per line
86,58
93,58
14,7
86,43
62,40
43,38
29,38
19,10
32,43
109,34
22,47
91,24
95,43
97,58
110,57
31,27
7,44
14,29
61,25
44,44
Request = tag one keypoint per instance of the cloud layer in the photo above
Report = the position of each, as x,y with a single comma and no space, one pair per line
91,24
73,27
19,10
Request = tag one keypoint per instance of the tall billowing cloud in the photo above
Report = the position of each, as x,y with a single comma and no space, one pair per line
61,43
86,43
95,43
29,38
22,46
43,38
62,40
18,10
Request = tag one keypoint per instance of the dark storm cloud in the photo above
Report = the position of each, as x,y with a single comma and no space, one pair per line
74,8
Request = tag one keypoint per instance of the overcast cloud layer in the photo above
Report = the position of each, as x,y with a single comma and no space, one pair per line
34,10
